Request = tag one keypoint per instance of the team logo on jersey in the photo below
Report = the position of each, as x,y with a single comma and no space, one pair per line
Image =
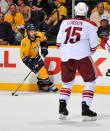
36,48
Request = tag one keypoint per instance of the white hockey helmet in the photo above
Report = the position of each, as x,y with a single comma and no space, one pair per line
81,9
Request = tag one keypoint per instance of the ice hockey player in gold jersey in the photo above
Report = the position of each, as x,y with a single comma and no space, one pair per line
29,52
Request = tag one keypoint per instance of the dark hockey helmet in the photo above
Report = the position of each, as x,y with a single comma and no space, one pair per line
30,27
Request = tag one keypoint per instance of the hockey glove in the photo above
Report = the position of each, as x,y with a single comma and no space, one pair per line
44,51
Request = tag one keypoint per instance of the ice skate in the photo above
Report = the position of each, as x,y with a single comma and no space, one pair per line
62,110
87,114
43,87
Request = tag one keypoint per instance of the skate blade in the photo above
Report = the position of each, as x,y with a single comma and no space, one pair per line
62,117
87,118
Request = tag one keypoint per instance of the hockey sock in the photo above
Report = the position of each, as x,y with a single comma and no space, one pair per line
65,92
88,92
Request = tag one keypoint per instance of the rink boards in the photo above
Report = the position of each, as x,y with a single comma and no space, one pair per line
13,71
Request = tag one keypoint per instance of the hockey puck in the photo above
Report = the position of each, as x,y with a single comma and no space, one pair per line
16,94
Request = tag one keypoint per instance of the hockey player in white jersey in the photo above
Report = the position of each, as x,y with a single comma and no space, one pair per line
77,40
106,45
108,49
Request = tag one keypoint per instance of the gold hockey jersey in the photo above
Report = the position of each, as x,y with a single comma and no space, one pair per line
29,48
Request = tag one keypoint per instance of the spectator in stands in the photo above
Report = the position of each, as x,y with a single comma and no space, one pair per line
56,18
96,16
106,6
58,14
47,5
24,10
17,21
104,29
38,13
6,32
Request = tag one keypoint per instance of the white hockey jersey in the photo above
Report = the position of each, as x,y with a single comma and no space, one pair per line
77,38
107,45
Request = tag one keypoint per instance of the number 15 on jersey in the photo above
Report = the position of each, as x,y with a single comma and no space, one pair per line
74,36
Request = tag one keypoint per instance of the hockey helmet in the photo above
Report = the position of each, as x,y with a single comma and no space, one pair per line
30,27
81,9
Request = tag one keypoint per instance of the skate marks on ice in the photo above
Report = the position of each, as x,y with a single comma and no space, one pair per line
104,116
38,119
67,123
9,93
21,93
74,121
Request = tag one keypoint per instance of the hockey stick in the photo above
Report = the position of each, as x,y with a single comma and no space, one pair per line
14,93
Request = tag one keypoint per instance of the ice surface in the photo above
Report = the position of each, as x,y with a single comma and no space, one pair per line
39,112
